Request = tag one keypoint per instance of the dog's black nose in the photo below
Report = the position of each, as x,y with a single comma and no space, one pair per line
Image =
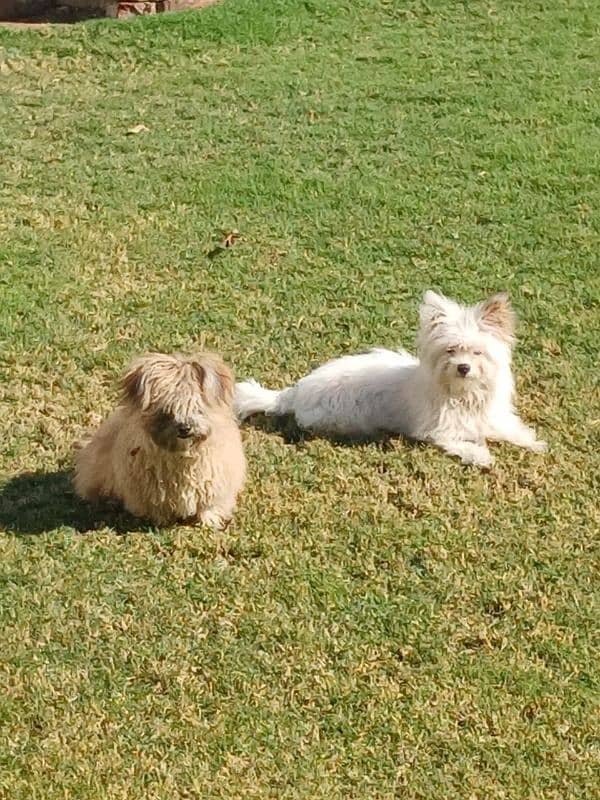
463,369
184,431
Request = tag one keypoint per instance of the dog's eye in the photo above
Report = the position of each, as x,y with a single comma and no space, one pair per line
451,351
476,352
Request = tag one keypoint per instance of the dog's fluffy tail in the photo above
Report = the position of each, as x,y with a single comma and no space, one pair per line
252,398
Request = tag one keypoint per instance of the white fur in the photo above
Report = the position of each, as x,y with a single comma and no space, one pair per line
427,398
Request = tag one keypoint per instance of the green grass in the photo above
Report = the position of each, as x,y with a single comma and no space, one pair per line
379,622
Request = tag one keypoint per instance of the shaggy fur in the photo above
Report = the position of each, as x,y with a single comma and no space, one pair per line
458,394
172,450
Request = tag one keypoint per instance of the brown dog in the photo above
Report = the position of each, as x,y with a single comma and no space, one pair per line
172,450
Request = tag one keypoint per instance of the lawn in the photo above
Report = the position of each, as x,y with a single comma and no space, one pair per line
379,621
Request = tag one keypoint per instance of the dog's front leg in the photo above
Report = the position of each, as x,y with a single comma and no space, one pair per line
215,518
513,430
468,452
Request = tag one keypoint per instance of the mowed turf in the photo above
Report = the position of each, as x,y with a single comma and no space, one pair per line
379,621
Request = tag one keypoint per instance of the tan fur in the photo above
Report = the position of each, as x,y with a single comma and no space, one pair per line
136,456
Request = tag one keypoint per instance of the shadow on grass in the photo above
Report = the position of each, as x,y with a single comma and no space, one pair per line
287,428
39,502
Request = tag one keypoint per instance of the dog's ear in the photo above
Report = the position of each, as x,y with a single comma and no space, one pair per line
434,308
134,386
496,316
215,378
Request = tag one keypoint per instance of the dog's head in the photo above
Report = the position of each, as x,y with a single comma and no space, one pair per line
466,347
177,396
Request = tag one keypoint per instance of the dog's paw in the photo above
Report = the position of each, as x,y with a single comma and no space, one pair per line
213,519
539,446
477,456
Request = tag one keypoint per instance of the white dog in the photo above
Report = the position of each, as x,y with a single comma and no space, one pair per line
458,394
172,450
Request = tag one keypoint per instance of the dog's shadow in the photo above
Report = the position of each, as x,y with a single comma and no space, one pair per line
287,428
39,502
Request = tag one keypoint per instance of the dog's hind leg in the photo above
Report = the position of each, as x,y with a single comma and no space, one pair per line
93,478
